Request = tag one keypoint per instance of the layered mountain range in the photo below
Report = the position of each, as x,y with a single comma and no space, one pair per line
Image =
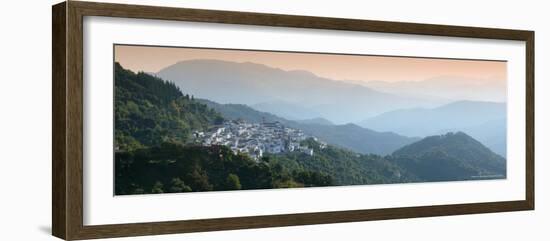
290,94
345,106
349,136
485,121
155,152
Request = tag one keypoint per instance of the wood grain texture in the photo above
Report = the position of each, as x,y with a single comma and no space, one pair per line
58,121
530,119
74,121
279,20
122,230
67,78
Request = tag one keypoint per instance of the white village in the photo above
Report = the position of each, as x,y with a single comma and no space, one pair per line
255,139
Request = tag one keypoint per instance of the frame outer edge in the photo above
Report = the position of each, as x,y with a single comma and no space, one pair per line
530,119
293,21
67,98
59,182
74,125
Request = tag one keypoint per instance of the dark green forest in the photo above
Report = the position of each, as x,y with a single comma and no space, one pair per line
154,151
173,167
150,111
346,167
453,156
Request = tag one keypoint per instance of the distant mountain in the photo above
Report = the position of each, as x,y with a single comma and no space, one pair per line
240,111
422,122
292,94
349,136
491,133
155,151
444,88
356,138
287,110
453,156
486,121
315,121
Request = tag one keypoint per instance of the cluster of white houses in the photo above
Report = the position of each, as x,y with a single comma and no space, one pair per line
255,138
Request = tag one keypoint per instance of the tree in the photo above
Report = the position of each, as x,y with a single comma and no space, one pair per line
157,188
177,185
232,182
199,180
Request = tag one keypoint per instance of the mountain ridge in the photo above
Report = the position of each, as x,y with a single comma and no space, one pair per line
350,136
438,87
155,154
471,117
225,81
436,157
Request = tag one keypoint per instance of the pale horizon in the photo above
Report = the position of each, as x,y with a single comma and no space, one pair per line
352,68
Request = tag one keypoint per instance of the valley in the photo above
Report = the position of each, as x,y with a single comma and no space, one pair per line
171,140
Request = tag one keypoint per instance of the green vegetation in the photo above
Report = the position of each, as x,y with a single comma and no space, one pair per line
175,168
150,111
345,167
154,151
242,112
453,156
349,136
155,154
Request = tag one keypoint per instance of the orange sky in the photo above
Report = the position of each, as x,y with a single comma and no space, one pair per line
334,66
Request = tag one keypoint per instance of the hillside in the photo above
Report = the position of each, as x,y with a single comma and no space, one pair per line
290,94
345,167
154,153
317,121
240,111
288,110
492,134
348,136
356,138
149,111
173,168
486,121
453,156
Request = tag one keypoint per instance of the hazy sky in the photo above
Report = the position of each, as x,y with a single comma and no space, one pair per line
339,67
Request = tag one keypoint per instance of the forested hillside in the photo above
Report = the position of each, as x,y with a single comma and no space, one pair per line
155,151
453,156
345,167
150,111
349,136
173,168
485,121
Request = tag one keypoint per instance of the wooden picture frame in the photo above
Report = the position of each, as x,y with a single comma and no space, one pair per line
67,152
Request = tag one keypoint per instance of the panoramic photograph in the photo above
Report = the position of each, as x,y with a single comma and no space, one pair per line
203,119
